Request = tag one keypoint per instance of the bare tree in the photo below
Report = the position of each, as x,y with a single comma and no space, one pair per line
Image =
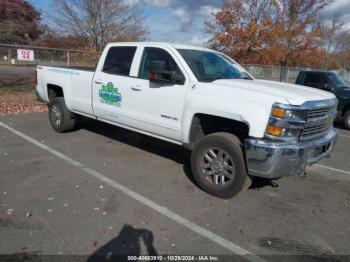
331,37
100,21
343,49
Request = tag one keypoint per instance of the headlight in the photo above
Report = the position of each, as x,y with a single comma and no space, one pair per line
286,122
274,131
281,112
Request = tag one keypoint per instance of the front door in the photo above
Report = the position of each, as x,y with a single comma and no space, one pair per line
158,106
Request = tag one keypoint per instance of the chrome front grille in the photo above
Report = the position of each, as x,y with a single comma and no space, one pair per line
320,112
313,131
318,122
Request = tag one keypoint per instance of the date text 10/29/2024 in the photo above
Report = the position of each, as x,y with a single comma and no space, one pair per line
173,258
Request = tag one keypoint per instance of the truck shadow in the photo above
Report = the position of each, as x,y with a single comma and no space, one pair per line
156,146
127,243
152,145
260,182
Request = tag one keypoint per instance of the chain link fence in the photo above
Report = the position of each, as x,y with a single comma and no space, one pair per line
275,73
18,72
285,74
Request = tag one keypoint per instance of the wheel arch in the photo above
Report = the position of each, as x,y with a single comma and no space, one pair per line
345,108
54,90
203,124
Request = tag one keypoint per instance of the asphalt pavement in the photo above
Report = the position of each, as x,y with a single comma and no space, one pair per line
104,189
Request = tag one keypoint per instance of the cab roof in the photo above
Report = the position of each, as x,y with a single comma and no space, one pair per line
174,45
316,72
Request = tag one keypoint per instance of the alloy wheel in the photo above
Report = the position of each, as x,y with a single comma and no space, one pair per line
217,166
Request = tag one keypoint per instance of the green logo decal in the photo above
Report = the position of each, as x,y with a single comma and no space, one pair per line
109,95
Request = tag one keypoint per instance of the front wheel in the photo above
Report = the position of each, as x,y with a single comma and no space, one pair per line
61,119
346,119
218,165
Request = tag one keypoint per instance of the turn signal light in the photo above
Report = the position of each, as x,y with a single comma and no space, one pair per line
279,112
274,130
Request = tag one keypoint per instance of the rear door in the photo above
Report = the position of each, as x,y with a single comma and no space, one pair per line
111,84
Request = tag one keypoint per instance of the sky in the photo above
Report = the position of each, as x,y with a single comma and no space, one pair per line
182,21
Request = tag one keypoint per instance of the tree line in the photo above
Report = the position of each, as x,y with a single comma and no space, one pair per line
270,32
281,32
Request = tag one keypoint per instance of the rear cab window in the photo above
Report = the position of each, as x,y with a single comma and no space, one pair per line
316,80
119,60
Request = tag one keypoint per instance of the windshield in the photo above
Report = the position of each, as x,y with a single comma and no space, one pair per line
209,66
337,81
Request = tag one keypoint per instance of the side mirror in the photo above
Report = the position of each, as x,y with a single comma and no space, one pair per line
327,87
166,77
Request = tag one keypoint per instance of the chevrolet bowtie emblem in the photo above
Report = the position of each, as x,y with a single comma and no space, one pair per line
329,120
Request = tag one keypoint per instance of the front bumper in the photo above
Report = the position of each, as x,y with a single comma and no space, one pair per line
275,160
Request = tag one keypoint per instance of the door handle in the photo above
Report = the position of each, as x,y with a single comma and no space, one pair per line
98,82
136,89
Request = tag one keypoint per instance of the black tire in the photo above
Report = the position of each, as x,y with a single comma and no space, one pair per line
61,119
208,175
346,119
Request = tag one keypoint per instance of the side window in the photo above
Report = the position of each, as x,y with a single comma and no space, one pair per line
323,81
310,79
119,59
316,80
156,59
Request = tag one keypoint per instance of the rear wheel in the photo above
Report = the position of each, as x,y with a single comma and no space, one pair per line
218,165
61,119
346,119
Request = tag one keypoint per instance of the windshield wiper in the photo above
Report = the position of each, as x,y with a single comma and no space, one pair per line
214,79
223,78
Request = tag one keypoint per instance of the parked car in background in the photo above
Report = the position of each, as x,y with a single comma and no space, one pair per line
331,82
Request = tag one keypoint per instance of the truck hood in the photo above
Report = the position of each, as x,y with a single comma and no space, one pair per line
294,94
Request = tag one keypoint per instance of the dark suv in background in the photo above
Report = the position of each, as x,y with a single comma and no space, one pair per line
331,82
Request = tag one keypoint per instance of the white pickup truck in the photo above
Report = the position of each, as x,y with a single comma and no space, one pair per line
236,126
